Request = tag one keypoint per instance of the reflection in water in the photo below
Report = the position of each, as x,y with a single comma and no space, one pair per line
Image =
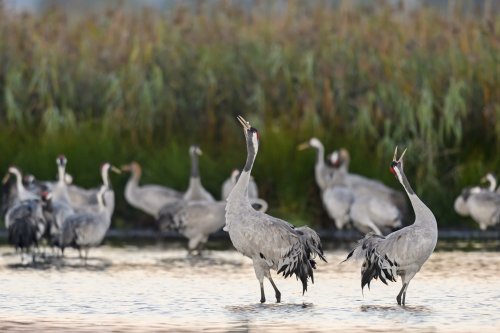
135,289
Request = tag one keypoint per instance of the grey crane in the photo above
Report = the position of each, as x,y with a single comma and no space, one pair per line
271,243
148,198
195,190
24,219
402,252
374,206
322,173
229,183
87,229
481,204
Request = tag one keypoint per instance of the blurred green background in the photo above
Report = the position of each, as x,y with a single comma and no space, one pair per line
119,85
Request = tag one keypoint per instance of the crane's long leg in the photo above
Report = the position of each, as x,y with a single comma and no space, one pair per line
262,295
404,292
260,273
401,292
278,294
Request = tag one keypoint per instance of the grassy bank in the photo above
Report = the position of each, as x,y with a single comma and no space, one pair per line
124,85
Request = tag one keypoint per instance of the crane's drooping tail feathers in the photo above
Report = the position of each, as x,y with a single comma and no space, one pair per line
23,233
167,219
375,265
300,259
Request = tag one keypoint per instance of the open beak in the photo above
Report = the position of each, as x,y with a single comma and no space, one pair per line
303,146
400,157
243,122
116,170
6,178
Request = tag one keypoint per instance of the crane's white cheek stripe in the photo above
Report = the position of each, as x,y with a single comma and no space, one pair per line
398,174
255,142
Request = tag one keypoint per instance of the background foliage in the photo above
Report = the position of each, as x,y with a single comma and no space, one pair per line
144,85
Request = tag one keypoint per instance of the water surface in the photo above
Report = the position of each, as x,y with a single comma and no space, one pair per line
136,289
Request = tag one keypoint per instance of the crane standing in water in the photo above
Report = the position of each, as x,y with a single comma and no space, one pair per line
271,243
402,252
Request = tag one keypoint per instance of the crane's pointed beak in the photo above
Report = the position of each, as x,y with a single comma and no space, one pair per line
395,154
243,122
401,157
303,146
116,170
5,178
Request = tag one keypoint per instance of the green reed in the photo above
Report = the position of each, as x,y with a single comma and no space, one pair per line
125,85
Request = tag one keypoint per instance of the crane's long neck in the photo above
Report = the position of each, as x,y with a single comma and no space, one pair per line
100,198
61,174
493,183
105,176
21,190
240,190
423,215
194,179
320,167
132,185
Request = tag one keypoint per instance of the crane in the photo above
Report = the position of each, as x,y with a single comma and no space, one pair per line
270,242
403,252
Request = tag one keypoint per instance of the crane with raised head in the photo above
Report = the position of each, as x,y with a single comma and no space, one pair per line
270,242
403,252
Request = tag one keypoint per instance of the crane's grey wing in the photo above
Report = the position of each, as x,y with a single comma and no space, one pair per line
78,229
383,212
201,217
152,191
337,202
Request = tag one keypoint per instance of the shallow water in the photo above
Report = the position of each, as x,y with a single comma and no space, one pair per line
155,289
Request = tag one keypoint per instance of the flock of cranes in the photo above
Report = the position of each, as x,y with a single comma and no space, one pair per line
66,215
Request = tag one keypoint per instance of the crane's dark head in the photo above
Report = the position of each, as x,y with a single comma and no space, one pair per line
61,160
396,167
251,133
